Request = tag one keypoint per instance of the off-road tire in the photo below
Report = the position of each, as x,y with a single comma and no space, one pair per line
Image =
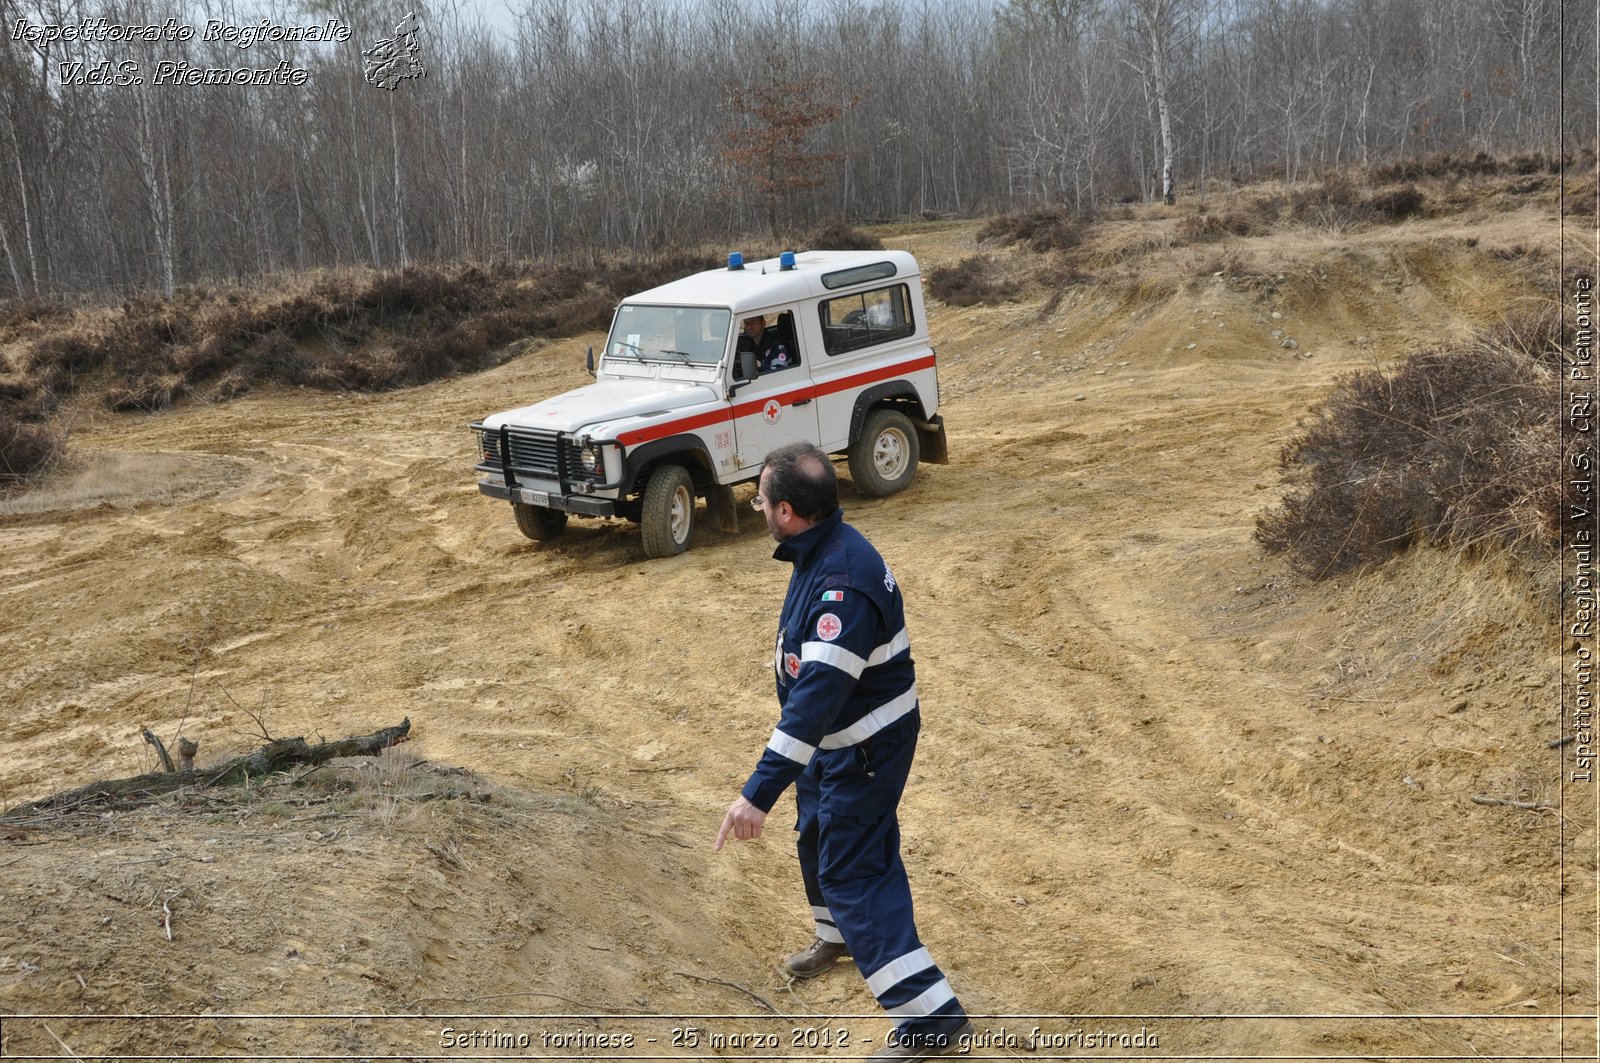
537,522
883,459
666,517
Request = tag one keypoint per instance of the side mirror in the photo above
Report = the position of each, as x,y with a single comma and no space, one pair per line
747,366
588,363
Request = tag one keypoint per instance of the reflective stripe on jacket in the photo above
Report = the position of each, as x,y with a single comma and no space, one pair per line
842,657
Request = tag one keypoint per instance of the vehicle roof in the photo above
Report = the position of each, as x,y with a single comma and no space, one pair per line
762,284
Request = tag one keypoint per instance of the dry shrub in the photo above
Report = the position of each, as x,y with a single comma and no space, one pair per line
975,279
1205,226
626,276
1581,200
389,329
1456,446
842,236
26,449
1396,204
62,355
16,317
1225,262
1332,203
1040,229
585,312
1436,164
22,395
1453,164
425,291
148,393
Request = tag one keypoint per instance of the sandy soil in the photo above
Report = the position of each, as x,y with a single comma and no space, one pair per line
1163,785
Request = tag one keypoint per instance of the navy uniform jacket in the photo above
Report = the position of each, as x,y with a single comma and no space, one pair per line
843,659
772,352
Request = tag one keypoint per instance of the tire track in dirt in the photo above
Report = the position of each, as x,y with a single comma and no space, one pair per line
1156,773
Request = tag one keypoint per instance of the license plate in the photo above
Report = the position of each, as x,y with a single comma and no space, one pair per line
534,498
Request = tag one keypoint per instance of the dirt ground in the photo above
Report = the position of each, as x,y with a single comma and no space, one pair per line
1170,800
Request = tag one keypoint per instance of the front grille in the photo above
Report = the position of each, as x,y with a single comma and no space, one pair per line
537,454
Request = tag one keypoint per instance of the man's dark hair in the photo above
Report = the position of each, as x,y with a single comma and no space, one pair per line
801,475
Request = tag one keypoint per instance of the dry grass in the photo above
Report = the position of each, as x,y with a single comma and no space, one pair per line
1458,446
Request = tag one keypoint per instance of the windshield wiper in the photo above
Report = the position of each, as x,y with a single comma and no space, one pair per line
681,354
634,349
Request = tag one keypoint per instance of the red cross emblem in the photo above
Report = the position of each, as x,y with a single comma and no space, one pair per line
771,411
828,627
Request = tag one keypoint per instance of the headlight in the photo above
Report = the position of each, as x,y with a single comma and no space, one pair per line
587,459
489,446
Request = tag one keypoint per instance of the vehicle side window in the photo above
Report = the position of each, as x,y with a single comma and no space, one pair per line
773,343
852,322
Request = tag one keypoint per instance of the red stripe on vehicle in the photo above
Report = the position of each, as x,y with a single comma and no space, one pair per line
787,398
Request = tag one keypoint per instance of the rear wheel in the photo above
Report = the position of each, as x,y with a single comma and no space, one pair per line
883,459
537,522
666,516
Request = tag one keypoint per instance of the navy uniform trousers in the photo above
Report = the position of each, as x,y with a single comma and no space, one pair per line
849,845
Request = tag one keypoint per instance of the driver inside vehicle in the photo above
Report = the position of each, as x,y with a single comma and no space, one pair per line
773,349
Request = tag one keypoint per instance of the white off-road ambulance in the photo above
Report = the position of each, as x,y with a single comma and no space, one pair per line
681,408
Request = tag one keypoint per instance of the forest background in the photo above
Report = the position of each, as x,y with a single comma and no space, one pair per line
553,128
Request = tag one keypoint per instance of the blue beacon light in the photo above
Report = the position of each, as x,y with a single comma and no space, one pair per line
735,260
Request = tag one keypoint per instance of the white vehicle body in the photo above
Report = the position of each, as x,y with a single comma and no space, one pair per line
670,391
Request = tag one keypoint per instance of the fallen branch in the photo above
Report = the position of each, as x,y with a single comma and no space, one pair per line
758,998
278,755
1532,806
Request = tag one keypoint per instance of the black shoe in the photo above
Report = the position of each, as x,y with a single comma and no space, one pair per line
815,958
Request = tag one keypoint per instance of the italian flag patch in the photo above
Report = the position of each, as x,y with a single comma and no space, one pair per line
833,596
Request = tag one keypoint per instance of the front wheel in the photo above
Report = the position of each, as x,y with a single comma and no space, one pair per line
666,515
883,459
537,522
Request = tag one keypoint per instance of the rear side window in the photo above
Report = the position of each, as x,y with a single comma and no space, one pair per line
865,319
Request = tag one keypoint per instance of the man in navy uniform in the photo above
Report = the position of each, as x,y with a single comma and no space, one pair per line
771,348
845,738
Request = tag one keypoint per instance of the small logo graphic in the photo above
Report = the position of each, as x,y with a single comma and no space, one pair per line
888,580
394,59
828,627
791,664
772,411
722,440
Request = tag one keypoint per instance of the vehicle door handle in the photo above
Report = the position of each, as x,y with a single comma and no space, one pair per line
801,402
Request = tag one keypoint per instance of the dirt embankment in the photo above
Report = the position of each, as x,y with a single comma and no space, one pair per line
1160,778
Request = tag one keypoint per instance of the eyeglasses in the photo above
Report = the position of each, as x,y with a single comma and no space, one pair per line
758,503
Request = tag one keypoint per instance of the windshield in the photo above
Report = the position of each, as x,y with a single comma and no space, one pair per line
693,335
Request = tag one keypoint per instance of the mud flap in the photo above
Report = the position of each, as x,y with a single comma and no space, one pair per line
724,508
930,437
